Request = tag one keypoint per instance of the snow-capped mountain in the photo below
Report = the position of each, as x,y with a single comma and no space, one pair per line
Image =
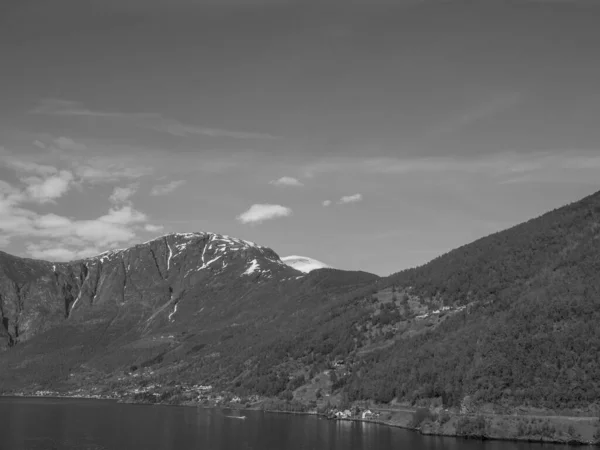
162,281
304,264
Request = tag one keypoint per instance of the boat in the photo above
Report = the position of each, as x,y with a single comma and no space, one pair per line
236,417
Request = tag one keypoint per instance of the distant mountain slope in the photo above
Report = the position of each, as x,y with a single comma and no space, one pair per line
304,264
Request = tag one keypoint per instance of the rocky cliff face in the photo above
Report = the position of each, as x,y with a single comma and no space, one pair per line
145,283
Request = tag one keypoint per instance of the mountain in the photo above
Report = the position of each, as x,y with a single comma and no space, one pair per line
150,279
304,264
513,319
507,321
178,298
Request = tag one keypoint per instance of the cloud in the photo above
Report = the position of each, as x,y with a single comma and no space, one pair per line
24,165
350,199
561,164
153,228
260,212
163,189
122,194
43,183
152,121
48,251
66,143
287,181
44,190
60,237
104,171
490,107
327,203
99,164
117,226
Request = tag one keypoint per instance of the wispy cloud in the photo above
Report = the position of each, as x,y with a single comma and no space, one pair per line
287,181
563,164
259,213
153,228
344,200
350,199
66,143
152,121
488,108
96,164
164,189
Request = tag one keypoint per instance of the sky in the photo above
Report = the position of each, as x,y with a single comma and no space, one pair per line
370,135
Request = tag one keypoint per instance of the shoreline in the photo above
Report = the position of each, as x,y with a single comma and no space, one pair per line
427,430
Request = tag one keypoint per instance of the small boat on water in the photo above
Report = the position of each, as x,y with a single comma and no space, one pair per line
236,417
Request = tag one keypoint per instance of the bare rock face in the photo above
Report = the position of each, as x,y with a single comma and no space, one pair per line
143,285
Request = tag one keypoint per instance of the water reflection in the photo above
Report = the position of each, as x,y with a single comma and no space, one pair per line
36,424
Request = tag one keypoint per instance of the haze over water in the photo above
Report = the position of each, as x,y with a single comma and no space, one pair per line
67,424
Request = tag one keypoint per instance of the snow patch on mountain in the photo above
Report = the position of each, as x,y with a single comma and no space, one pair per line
304,264
254,267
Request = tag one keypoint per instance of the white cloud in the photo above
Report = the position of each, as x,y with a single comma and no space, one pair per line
48,251
153,228
327,203
122,194
287,181
125,215
48,189
45,175
260,212
350,199
153,121
60,237
163,189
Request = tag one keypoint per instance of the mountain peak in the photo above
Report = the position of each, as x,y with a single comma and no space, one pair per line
178,242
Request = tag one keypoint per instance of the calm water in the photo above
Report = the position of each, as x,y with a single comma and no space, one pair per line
43,424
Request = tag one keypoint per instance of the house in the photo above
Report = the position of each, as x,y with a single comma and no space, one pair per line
343,414
367,414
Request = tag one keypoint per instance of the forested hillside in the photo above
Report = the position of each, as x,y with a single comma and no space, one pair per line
511,319
539,251
530,332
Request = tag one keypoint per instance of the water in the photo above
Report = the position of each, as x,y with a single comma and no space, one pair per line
67,424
